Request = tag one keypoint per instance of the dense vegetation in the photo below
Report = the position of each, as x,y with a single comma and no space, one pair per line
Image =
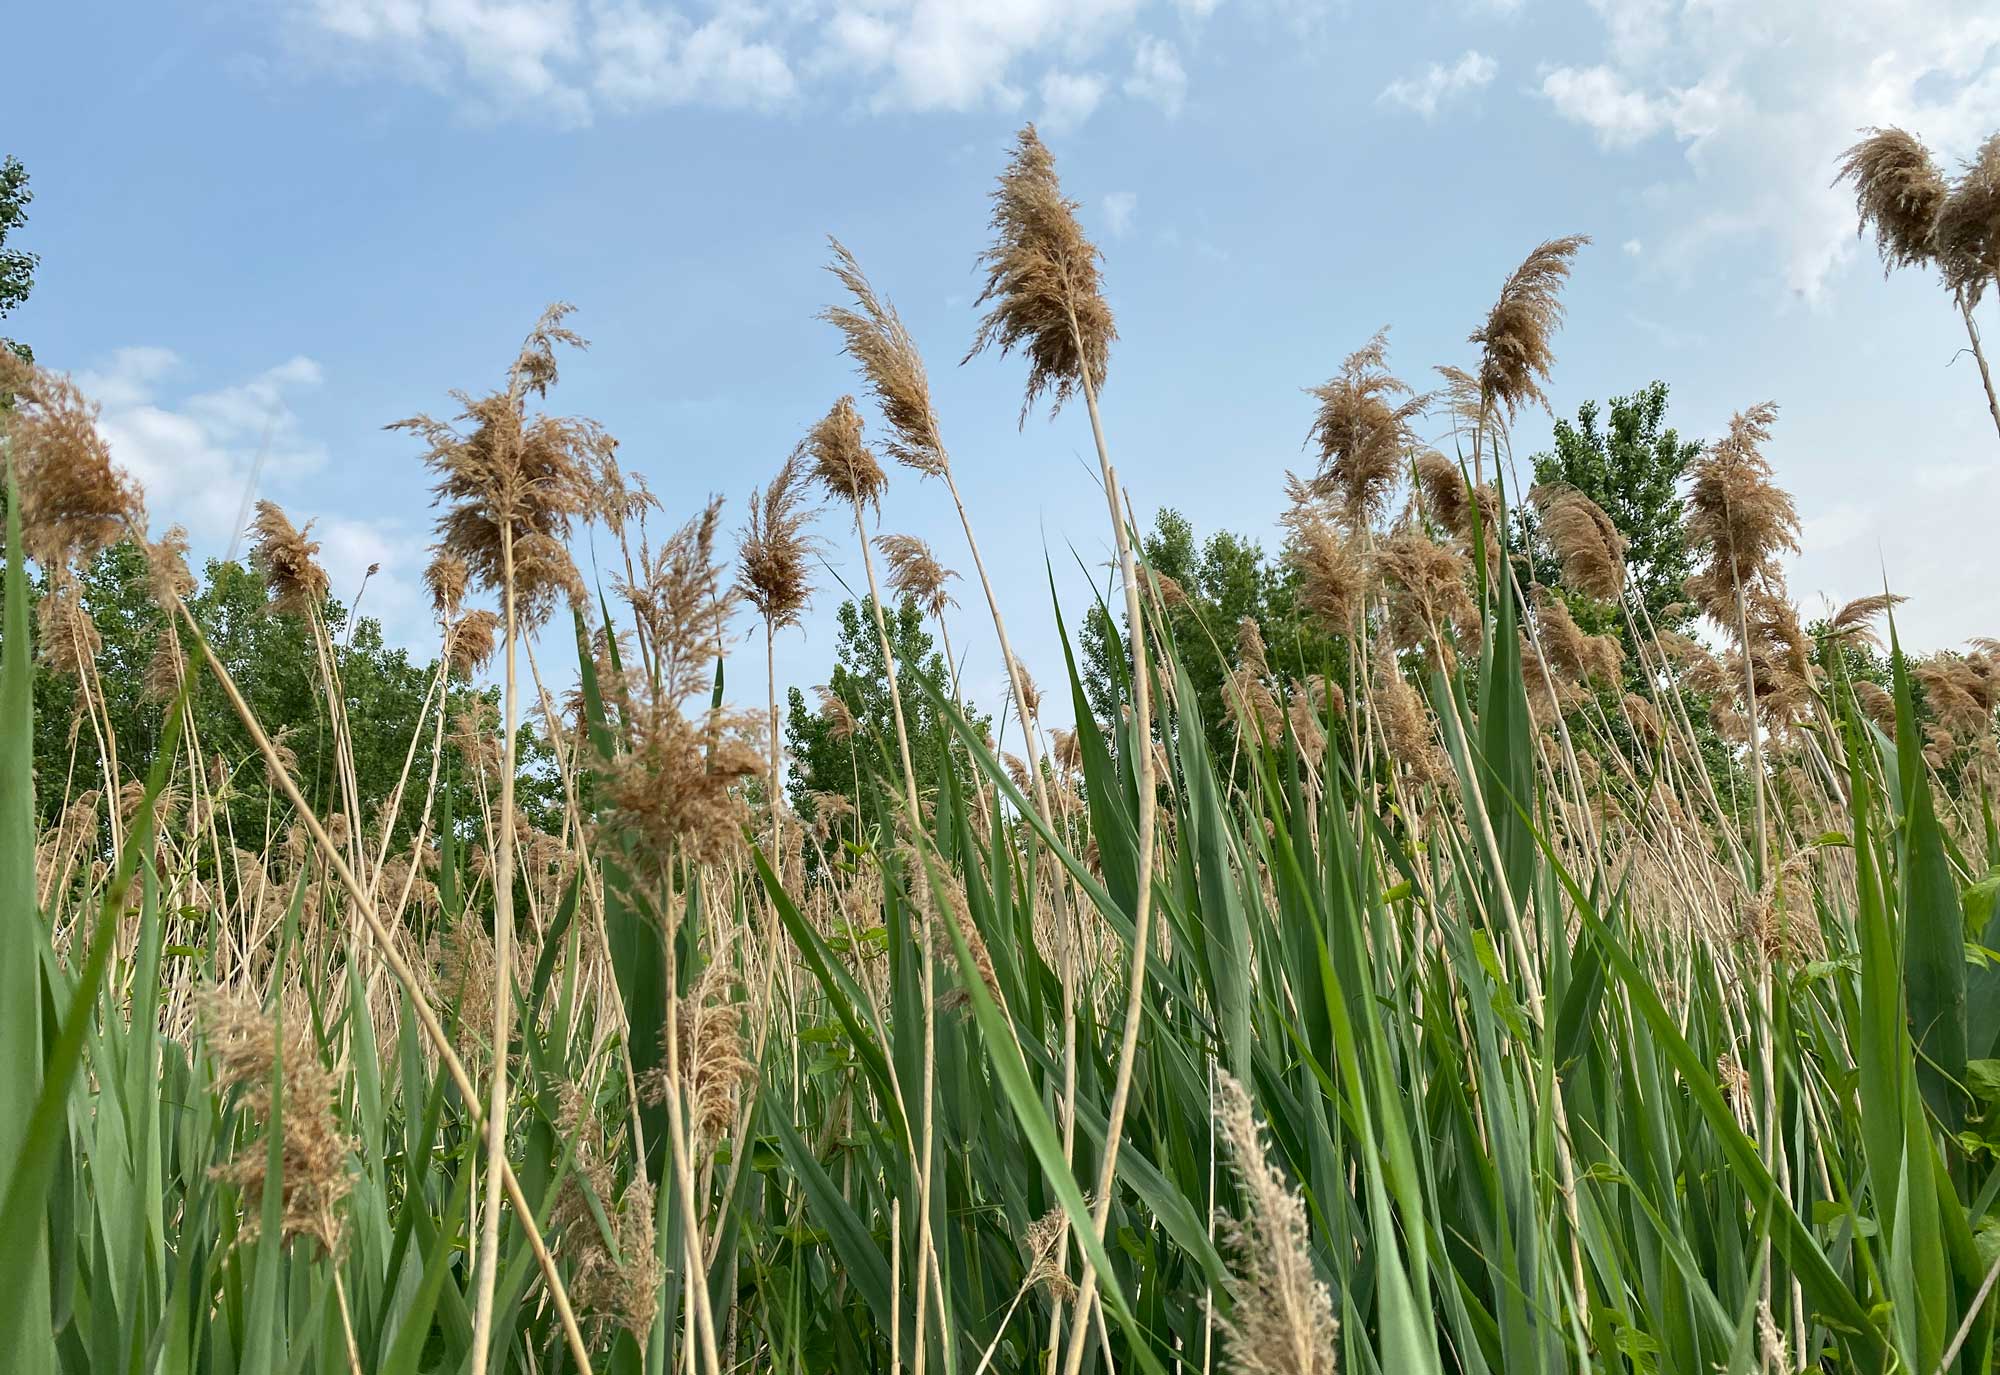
1493,934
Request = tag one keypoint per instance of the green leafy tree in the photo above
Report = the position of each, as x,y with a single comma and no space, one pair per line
829,759
17,265
1221,580
272,661
1632,465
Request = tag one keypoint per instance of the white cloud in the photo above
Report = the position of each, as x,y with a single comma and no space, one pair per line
1119,208
201,458
1761,99
567,59
1633,248
1157,74
1599,99
196,457
1070,98
648,56
1438,84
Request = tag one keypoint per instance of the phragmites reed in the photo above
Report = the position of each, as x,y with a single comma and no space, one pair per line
1568,648
841,462
167,566
245,1043
1427,591
66,637
471,641
774,551
1968,226
1441,485
1739,519
1360,431
1899,192
1042,281
1333,572
287,558
878,342
712,1056
833,709
1855,621
1281,1321
511,485
446,579
74,499
914,572
1588,545
1405,723
1517,341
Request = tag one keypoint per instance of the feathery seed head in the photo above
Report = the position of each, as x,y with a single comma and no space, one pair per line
287,559
888,358
1899,190
1589,546
915,572
1360,431
1516,343
841,462
74,499
1739,519
1282,1321
1042,281
511,484
774,551
1968,227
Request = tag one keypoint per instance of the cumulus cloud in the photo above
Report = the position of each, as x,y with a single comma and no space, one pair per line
1119,208
568,59
1436,85
1157,74
201,457
1761,99
196,456
1069,98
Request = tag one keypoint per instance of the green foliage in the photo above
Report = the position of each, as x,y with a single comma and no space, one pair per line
271,657
1222,580
823,763
1632,466
17,265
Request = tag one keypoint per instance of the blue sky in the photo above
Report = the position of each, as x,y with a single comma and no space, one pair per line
280,225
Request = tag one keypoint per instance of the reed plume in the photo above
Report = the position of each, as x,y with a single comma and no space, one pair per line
888,358
1042,281
1898,192
1360,431
74,499
246,1045
914,572
1590,548
1968,225
774,555
1516,343
1281,1321
1920,220
510,486
288,558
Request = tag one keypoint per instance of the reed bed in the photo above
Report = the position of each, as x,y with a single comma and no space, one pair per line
1528,988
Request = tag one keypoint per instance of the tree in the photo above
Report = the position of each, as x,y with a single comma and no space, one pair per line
272,661
828,758
1632,467
1220,581
17,266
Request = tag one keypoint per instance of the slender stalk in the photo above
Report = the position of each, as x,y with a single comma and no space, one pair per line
503,982
915,823
1142,734
384,948
1979,356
